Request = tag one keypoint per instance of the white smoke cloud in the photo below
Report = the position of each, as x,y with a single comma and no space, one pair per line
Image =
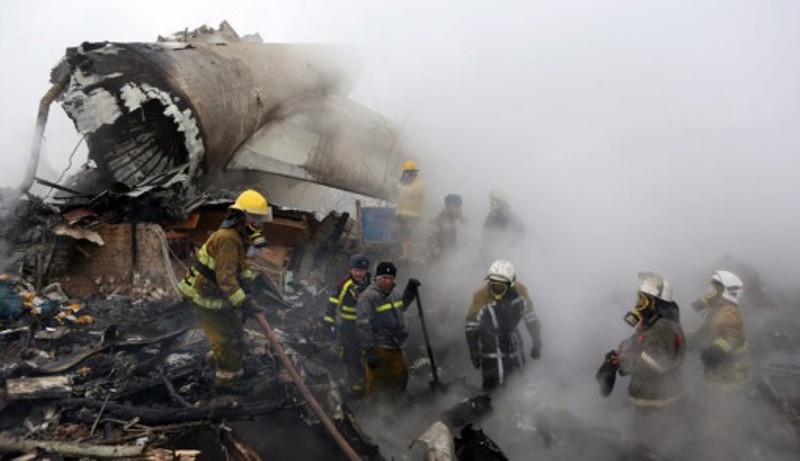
629,135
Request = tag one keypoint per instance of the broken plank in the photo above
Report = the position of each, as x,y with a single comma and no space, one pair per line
15,444
172,415
48,387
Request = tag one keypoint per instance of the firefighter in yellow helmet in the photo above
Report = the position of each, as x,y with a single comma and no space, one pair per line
408,212
214,285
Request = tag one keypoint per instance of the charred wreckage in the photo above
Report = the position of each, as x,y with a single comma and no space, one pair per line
100,359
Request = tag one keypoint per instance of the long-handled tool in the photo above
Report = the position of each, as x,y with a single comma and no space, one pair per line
298,381
435,384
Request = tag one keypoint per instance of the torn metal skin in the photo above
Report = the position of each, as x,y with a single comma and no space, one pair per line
218,104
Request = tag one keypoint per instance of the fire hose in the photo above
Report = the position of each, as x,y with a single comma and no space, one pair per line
298,381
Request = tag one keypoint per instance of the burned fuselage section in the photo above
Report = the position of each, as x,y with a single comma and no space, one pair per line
225,113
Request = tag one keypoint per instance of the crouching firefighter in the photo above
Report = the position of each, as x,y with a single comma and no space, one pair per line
343,305
495,345
214,285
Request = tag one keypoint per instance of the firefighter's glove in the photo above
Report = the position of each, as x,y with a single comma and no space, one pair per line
372,358
250,308
413,284
712,357
607,374
535,352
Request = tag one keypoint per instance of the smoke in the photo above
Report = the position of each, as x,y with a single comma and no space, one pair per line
630,136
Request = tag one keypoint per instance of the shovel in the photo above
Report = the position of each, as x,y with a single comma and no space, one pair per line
435,384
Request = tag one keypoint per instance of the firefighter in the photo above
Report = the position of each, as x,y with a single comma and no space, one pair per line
381,331
343,305
215,284
503,230
411,193
495,345
653,357
721,339
444,228
722,345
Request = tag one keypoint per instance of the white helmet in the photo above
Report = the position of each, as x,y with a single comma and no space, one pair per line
655,285
732,285
502,270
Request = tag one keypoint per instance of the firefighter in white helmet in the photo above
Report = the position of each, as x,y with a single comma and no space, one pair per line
216,285
721,338
498,306
722,346
653,357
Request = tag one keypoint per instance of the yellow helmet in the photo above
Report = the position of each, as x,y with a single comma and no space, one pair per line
409,165
252,202
498,196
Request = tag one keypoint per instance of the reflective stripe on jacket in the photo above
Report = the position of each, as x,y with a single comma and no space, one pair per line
345,300
653,357
723,329
380,319
491,323
213,283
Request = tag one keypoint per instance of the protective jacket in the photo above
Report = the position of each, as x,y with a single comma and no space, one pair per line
379,321
492,331
722,334
213,285
342,302
410,197
215,280
443,234
652,357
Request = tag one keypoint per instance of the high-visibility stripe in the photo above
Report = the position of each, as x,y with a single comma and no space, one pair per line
207,303
652,362
349,309
724,345
387,306
222,374
639,402
348,316
334,300
328,319
237,297
205,258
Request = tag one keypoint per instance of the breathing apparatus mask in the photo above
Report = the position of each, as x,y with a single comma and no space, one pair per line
644,310
498,288
712,296
254,225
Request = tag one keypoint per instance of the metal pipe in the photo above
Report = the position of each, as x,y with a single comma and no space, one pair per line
38,134
298,380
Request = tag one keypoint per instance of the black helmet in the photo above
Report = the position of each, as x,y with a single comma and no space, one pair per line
359,261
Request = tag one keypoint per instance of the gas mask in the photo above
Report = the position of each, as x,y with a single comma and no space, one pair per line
644,310
498,289
253,228
712,296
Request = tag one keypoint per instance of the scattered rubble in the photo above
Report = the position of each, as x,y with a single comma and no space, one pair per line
99,357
